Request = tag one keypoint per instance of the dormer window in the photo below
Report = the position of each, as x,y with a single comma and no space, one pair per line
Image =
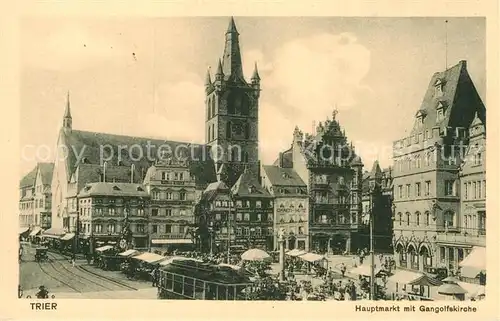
420,117
440,111
116,188
438,88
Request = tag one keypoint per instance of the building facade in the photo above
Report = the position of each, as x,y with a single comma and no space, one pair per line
377,200
333,173
456,244
43,197
254,212
109,210
215,218
173,195
35,199
232,112
291,206
427,194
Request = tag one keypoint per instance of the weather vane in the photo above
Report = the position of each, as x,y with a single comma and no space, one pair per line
335,112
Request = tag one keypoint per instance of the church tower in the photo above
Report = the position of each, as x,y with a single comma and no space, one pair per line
231,124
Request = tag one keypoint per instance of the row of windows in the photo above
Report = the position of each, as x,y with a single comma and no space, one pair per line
409,163
112,228
111,211
475,190
168,228
170,212
88,201
163,195
292,218
418,219
329,198
244,204
407,191
248,217
336,219
174,176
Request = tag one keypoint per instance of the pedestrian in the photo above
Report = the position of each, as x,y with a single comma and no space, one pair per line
343,269
73,259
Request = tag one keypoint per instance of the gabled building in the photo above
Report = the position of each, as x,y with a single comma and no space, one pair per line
26,201
291,206
254,212
42,198
215,219
427,193
377,200
328,165
35,199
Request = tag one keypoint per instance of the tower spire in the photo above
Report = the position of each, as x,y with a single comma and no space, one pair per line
208,79
67,119
255,76
446,45
231,62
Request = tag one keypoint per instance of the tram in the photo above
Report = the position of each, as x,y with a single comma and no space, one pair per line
193,280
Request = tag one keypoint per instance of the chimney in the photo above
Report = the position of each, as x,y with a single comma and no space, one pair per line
280,160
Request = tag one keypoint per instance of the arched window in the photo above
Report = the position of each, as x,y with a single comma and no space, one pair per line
245,105
213,106
428,158
214,134
408,163
235,157
228,129
245,157
247,131
400,218
417,216
232,101
209,111
408,218
418,161
209,133
427,217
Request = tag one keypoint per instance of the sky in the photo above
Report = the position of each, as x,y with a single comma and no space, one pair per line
145,76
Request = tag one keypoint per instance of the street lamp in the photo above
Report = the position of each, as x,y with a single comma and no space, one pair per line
372,255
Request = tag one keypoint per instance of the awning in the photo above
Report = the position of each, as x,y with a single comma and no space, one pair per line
413,278
295,252
68,236
23,230
365,270
128,253
475,260
35,231
172,241
150,257
311,257
50,236
179,258
54,231
473,290
234,267
104,248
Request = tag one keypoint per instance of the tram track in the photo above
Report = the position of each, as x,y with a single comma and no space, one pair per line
42,268
111,286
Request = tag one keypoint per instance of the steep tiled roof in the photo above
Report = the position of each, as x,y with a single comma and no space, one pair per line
283,176
139,151
114,189
28,179
248,186
46,171
213,189
458,96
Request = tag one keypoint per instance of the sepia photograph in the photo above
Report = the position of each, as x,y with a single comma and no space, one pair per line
250,158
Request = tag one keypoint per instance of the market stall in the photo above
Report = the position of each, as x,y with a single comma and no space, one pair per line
143,264
417,281
474,264
452,290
